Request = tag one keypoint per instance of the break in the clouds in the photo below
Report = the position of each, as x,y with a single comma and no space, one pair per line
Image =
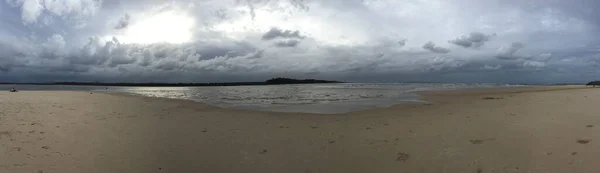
364,41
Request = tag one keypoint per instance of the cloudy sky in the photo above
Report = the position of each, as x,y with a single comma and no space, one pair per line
536,41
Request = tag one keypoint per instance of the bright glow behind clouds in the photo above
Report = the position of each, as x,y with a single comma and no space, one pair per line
169,27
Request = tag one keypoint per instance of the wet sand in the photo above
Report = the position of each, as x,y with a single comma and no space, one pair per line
535,129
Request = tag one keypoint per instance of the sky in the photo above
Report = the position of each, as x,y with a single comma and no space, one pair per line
497,41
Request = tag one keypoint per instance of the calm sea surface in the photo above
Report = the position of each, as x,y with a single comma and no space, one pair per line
309,98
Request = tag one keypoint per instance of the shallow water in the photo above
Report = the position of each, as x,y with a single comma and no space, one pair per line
308,98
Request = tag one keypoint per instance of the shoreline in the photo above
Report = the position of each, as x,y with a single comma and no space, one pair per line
422,97
347,106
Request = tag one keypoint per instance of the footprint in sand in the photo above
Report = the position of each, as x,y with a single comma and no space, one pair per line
46,147
264,151
589,126
574,153
5,133
583,141
479,141
402,157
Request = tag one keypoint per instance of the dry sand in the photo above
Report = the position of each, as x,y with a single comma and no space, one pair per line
542,129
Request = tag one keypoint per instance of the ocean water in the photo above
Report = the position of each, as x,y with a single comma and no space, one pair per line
308,98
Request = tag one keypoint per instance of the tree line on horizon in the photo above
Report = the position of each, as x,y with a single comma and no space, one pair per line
593,83
273,81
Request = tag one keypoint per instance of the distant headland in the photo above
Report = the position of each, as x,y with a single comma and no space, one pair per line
273,81
593,83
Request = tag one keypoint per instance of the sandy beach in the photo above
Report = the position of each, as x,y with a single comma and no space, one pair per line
534,129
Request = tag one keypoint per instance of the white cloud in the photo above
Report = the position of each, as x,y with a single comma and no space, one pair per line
31,10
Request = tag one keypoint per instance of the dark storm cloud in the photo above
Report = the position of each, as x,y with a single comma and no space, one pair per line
431,47
209,51
274,33
474,39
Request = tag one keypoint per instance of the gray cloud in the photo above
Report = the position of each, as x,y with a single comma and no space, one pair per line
54,47
278,33
300,4
31,10
431,47
287,43
508,52
474,39
402,43
534,64
545,56
490,67
123,22
251,7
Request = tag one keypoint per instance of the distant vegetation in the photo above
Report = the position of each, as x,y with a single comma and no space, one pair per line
594,83
280,80
274,81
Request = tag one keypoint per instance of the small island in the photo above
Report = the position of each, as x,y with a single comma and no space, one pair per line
279,80
273,81
593,83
